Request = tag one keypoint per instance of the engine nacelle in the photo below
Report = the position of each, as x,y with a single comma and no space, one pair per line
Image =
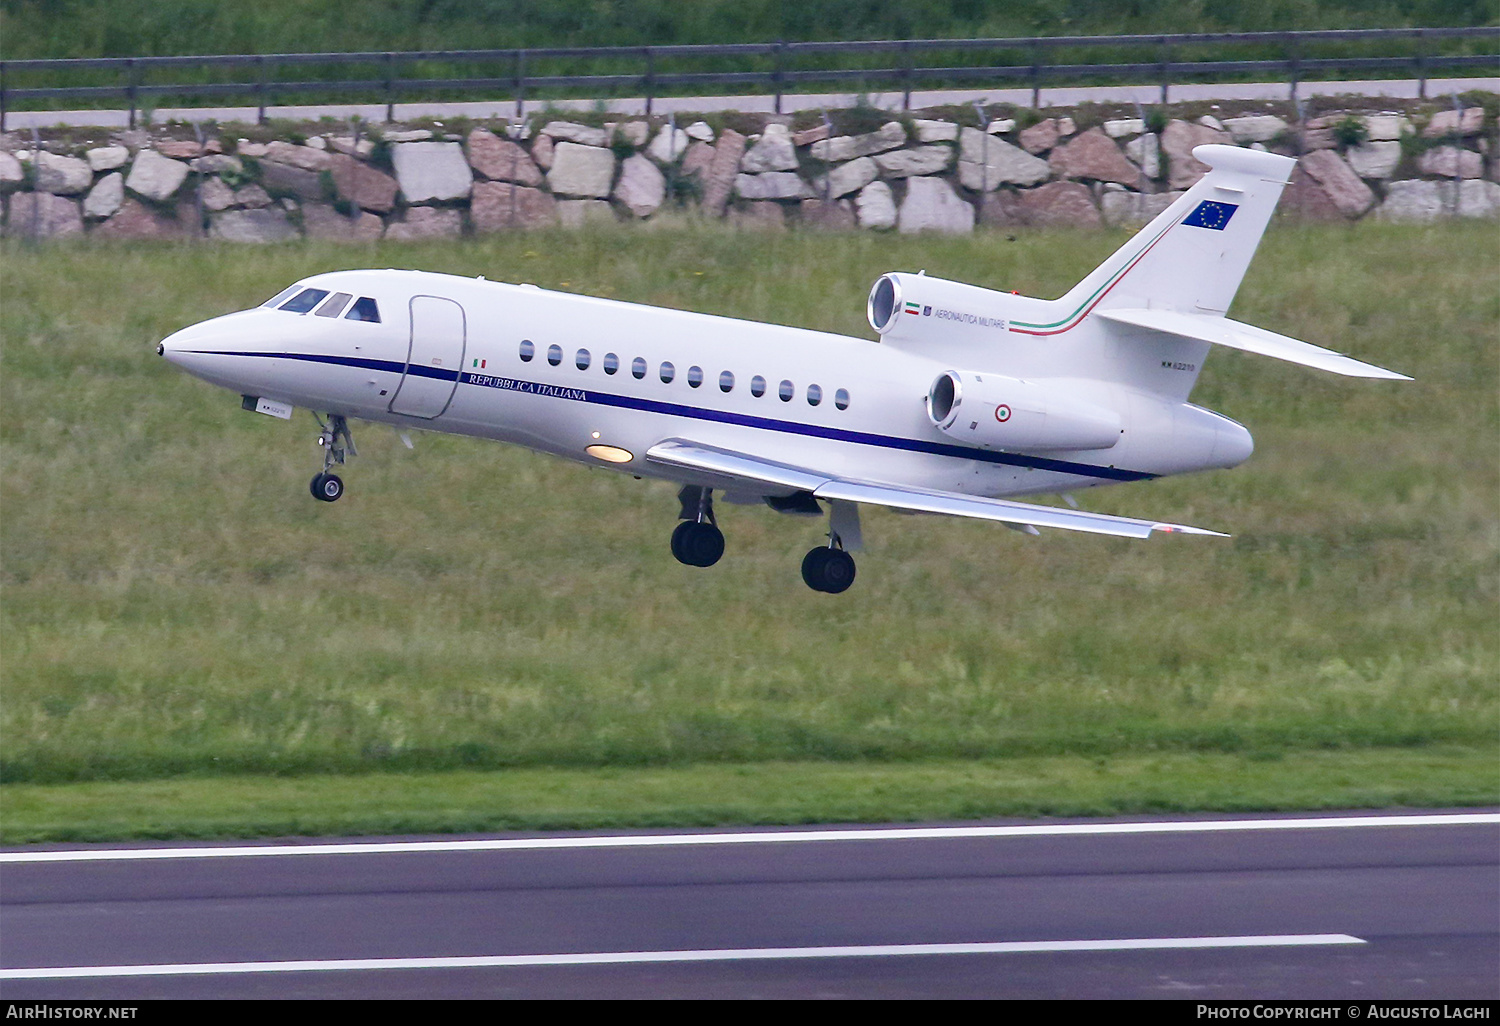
993,411
914,307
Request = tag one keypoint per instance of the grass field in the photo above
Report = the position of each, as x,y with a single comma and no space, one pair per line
177,611
129,28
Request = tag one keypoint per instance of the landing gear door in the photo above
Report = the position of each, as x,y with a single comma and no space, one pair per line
434,360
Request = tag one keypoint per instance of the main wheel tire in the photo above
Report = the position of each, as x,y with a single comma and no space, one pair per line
328,487
678,534
812,568
697,544
838,571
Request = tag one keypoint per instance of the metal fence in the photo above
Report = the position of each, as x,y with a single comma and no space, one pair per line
764,68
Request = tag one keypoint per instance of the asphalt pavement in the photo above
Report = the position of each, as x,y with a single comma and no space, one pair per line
1352,905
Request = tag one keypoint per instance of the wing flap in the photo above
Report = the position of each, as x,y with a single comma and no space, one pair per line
707,459
1221,331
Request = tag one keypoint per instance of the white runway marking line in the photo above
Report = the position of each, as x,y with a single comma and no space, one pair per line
638,957
753,837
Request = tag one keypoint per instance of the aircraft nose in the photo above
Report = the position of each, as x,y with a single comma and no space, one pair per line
172,345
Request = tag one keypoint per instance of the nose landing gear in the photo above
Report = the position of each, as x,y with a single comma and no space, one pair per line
336,442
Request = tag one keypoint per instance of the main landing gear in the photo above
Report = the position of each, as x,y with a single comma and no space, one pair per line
336,442
829,568
697,541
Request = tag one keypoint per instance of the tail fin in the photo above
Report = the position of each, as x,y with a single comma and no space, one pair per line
1192,257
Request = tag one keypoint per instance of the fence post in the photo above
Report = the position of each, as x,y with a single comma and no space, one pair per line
1166,68
1421,65
2,97
778,75
520,84
130,86
1036,78
260,90
906,74
650,78
1294,58
390,87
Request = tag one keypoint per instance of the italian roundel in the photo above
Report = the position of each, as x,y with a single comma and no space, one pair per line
1211,215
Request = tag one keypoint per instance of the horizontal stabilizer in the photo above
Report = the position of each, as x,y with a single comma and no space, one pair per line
753,470
1221,331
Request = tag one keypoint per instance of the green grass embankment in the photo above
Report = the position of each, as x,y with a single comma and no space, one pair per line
132,28
174,605
705,795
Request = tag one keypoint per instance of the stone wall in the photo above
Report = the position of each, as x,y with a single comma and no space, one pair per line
930,172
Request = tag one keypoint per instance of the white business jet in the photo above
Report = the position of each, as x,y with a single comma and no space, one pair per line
967,395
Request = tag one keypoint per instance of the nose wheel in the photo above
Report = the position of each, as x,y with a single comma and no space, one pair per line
327,487
336,443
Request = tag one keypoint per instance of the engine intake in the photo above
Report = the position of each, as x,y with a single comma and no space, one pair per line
993,411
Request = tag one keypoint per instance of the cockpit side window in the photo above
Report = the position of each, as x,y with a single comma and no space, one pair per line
304,300
284,294
364,309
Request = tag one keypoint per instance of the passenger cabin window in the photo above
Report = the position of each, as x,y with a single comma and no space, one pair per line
334,306
364,309
611,363
668,372
304,300
841,398
757,386
638,368
814,394
726,382
582,359
554,355
786,391
281,296
528,350
695,376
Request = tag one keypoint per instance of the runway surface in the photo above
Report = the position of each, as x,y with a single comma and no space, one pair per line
1346,906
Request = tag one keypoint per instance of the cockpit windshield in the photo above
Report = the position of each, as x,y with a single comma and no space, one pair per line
304,300
285,293
300,300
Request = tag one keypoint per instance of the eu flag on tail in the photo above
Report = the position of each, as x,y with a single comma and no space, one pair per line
1212,215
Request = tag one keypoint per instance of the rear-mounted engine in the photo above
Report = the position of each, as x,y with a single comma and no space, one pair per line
997,412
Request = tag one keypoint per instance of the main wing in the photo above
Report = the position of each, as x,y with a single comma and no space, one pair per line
686,455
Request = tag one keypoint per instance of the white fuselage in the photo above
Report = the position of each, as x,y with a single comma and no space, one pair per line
447,355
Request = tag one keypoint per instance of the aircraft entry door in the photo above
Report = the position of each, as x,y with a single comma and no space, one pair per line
434,360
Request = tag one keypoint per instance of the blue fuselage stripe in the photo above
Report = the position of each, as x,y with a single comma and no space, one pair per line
719,416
